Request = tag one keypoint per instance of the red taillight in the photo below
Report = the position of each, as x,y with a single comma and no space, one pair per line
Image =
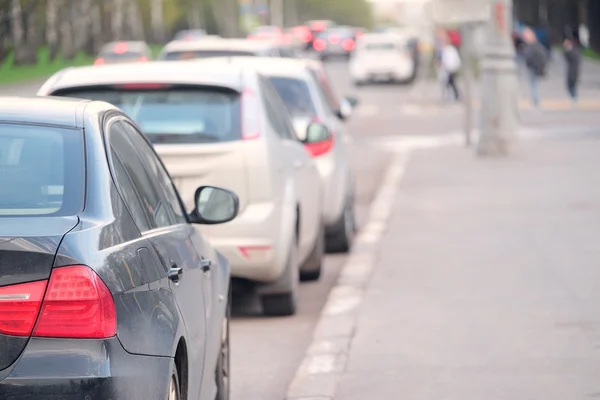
319,44
319,149
99,61
77,305
143,59
19,307
348,44
250,111
334,39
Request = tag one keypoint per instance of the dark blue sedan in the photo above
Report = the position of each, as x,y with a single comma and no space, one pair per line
107,291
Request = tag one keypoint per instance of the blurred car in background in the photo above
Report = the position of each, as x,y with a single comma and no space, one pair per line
339,41
302,37
299,83
381,57
223,124
123,52
318,26
187,50
101,265
190,34
267,32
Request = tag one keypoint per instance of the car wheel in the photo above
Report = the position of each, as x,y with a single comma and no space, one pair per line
223,364
174,392
341,240
284,304
311,270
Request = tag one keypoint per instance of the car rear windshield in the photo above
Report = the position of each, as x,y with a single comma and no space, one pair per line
379,46
41,171
188,55
110,55
296,96
175,114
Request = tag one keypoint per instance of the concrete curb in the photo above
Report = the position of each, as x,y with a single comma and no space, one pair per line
325,360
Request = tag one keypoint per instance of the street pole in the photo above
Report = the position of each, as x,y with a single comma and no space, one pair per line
499,108
276,12
468,50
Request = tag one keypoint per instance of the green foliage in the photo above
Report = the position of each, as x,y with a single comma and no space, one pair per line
10,73
343,12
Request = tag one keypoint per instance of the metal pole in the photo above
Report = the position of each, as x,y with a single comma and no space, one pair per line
468,44
499,108
277,12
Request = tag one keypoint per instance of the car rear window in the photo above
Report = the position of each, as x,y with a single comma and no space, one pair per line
175,114
188,55
379,46
110,55
296,96
41,171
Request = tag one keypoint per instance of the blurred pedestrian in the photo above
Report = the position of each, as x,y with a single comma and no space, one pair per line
536,59
450,65
573,60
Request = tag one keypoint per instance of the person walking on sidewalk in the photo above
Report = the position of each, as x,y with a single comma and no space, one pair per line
450,64
573,60
536,60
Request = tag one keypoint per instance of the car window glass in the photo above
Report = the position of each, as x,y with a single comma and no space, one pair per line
325,93
158,173
276,115
152,203
129,193
296,95
41,171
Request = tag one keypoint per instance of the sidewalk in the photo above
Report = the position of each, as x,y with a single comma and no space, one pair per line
488,280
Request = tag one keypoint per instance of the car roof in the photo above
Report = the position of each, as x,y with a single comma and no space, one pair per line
218,44
290,67
192,72
63,112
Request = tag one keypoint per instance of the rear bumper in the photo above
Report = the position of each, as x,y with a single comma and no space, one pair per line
400,71
65,369
253,243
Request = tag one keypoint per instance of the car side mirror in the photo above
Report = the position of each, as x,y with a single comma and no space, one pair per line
214,206
347,105
317,132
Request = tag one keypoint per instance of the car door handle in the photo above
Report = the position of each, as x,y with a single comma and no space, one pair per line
175,273
205,264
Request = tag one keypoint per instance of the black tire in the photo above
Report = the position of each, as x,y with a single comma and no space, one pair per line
284,304
340,241
311,270
174,390
223,371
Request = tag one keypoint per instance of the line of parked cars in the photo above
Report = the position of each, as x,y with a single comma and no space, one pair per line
133,194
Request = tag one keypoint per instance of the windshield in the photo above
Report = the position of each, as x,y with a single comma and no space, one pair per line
41,171
191,34
175,115
188,55
378,46
296,96
109,55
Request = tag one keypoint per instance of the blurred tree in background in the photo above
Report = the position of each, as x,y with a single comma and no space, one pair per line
65,28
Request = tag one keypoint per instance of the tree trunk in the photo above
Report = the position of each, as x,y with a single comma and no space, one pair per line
67,44
17,32
82,21
195,15
4,31
97,31
118,12
157,20
134,21
52,7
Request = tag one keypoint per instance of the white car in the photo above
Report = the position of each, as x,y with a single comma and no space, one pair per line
224,125
381,57
305,90
177,50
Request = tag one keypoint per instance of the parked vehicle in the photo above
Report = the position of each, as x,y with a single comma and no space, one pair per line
107,291
123,52
186,50
190,34
339,41
303,87
302,37
224,125
381,57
